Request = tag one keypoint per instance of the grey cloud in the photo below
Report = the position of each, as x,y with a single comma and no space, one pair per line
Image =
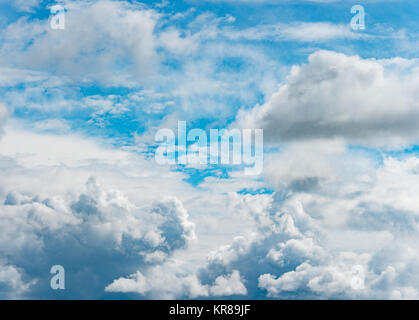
340,96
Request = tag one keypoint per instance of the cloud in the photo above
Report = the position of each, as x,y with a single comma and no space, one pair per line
30,148
297,31
340,96
228,285
4,115
89,44
172,41
184,71
97,232
125,228
12,283
102,232
307,165
311,243
24,5
10,77
332,280
167,282
97,227
57,125
158,282
337,279
302,241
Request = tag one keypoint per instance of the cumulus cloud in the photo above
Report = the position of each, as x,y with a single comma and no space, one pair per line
159,282
167,282
319,242
334,280
97,232
340,96
228,285
392,279
98,225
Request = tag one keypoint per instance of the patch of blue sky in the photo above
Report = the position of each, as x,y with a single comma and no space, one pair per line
256,191
9,12
411,151
197,176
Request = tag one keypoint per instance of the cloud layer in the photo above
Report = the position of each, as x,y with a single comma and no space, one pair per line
334,214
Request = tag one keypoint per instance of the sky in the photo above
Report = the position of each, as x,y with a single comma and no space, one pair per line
333,214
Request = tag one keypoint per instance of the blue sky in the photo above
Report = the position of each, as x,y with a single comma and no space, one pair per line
79,185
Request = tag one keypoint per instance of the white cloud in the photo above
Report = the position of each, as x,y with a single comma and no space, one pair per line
4,115
172,40
14,76
167,281
297,31
32,149
332,280
57,125
103,216
99,39
12,284
159,282
228,285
